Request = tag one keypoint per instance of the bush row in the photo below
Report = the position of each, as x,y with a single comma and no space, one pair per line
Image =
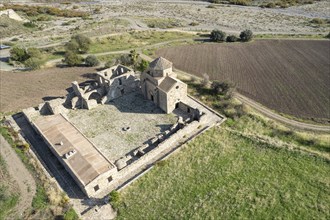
220,36
32,10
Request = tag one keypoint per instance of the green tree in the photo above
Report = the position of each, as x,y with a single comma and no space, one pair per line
124,59
222,88
143,65
72,59
72,46
246,35
18,54
218,36
231,38
134,57
83,42
91,60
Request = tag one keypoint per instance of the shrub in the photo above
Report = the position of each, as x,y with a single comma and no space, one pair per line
91,60
143,65
231,38
218,36
240,2
114,198
30,24
40,199
125,60
110,63
72,59
210,6
70,214
194,23
222,88
246,35
18,54
328,35
230,122
318,21
270,5
34,63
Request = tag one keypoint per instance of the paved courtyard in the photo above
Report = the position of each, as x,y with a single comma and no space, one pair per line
123,125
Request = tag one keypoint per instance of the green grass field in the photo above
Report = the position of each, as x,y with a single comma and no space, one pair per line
134,40
222,175
248,168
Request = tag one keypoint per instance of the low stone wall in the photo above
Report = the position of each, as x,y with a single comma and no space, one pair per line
147,160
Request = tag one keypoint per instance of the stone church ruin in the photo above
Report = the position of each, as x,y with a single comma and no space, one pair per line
109,131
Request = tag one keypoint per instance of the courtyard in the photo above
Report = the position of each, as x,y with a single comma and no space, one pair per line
122,125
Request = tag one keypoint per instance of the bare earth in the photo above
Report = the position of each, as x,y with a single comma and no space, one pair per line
21,90
289,76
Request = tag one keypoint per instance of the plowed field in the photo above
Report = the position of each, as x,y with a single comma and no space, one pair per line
289,76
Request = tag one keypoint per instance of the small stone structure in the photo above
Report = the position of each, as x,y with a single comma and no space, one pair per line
94,173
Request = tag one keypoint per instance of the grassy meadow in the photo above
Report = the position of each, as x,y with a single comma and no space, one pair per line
223,175
134,39
250,167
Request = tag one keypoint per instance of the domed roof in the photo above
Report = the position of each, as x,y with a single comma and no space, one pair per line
160,64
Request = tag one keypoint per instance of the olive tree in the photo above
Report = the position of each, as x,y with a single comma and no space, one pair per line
218,36
246,35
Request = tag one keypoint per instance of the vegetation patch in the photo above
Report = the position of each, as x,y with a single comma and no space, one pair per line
8,196
47,197
230,176
10,27
163,23
40,200
133,40
35,10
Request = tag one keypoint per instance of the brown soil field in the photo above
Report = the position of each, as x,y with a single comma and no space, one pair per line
19,90
289,76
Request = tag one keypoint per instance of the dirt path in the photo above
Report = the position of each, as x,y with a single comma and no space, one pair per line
24,180
269,113
51,63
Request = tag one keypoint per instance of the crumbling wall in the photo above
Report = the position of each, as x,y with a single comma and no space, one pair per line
163,146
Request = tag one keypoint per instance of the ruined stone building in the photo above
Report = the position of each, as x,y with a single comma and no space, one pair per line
160,85
110,84
88,166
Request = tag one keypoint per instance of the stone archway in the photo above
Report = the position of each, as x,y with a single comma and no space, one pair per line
95,95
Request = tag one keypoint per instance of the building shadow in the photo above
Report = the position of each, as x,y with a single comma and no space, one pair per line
49,98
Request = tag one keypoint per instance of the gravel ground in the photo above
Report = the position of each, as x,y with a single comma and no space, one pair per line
104,124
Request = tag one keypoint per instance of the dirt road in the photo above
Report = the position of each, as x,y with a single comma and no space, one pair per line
25,182
269,113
